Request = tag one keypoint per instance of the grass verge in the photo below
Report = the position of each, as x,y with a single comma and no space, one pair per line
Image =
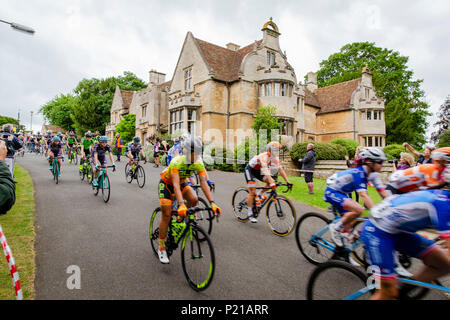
300,189
18,226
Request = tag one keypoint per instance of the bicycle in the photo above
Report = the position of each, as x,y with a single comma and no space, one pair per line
85,169
314,239
103,183
196,246
280,221
206,216
135,171
350,283
56,170
73,156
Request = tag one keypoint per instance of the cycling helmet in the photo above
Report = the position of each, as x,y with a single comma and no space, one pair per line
441,154
273,146
49,131
429,146
54,139
103,139
190,145
136,140
185,136
446,175
373,154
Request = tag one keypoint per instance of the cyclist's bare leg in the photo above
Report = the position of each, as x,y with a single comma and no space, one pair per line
166,214
354,209
437,264
190,197
388,290
251,196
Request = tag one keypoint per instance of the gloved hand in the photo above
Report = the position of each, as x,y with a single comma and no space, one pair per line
217,211
182,210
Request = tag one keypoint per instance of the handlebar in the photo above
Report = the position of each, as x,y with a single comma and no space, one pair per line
288,186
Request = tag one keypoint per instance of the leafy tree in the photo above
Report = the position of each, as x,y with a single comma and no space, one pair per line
444,139
443,120
265,119
58,111
406,110
127,127
5,120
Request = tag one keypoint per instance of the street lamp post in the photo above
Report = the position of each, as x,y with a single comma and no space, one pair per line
19,27
31,122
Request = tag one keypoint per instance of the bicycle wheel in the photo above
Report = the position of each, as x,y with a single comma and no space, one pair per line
127,168
56,172
96,189
337,280
239,204
81,173
153,230
140,176
313,238
75,158
106,188
197,258
359,253
281,216
129,176
205,217
90,174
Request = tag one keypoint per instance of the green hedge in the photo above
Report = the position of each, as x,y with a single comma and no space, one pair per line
325,151
349,144
393,151
222,153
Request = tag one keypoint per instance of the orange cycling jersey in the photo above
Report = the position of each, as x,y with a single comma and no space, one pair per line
411,179
180,166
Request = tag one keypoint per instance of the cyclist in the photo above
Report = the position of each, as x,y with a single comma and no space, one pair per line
55,149
342,184
48,139
134,150
86,147
426,175
173,185
99,156
393,225
263,167
71,141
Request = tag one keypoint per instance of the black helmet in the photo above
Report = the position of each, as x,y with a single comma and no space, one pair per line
136,140
192,145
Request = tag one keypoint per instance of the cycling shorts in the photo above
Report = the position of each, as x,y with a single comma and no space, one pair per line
336,199
167,192
381,247
251,175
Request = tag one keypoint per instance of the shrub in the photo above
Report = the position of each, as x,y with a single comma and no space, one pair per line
220,155
393,151
242,154
325,151
349,144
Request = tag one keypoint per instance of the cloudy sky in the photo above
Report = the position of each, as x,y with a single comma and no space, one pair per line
78,39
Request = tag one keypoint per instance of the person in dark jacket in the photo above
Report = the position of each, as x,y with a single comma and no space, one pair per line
308,164
13,144
7,185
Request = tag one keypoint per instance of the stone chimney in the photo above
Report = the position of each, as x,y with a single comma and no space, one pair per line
312,81
156,77
270,35
233,46
366,77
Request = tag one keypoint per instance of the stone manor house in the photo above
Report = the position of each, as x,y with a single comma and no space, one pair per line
215,92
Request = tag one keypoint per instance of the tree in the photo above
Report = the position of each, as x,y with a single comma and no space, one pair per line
58,111
443,120
127,127
265,119
405,108
5,120
444,139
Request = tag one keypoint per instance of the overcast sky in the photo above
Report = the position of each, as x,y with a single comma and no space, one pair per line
78,39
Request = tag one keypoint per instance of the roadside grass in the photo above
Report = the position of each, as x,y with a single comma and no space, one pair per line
316,200
18,227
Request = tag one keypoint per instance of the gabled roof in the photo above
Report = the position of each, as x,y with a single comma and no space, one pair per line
225,63
332,98
165,84
127,96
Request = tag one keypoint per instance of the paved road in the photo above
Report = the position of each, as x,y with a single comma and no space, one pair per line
109,243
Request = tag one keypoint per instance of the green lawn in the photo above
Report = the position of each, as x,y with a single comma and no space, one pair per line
18,226
316,199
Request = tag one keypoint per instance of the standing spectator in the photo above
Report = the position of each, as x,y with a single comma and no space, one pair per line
175,150
165,148
424,157
13,144
7,185
406,161
156,147
119,146
308,164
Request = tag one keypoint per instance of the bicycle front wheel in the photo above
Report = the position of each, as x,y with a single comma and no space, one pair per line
313,238
338,280
205,217
106,188
140,176
281,216
239,204
153,230
197,258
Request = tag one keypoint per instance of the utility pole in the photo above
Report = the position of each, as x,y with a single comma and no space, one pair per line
31,122
159,113
18,121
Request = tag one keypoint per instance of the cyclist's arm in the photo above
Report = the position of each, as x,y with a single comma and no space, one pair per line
96,162
412,150
283,174
368,202
204,185
111,158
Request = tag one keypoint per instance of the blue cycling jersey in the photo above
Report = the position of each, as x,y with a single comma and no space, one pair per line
414,211
354,179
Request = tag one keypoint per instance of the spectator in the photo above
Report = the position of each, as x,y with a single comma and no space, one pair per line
119,146
406,161
7,186
13,144
424,157
156,147
308,164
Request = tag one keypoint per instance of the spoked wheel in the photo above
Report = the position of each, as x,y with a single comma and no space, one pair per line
75,158
338,280
205,217
129,175
153,230
95,189
106,188
313,238
81,173
140,176
127,168
197,258
239,204
90,175
56,172
281,216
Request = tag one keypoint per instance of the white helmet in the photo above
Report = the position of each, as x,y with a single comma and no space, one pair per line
446,174
371,153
